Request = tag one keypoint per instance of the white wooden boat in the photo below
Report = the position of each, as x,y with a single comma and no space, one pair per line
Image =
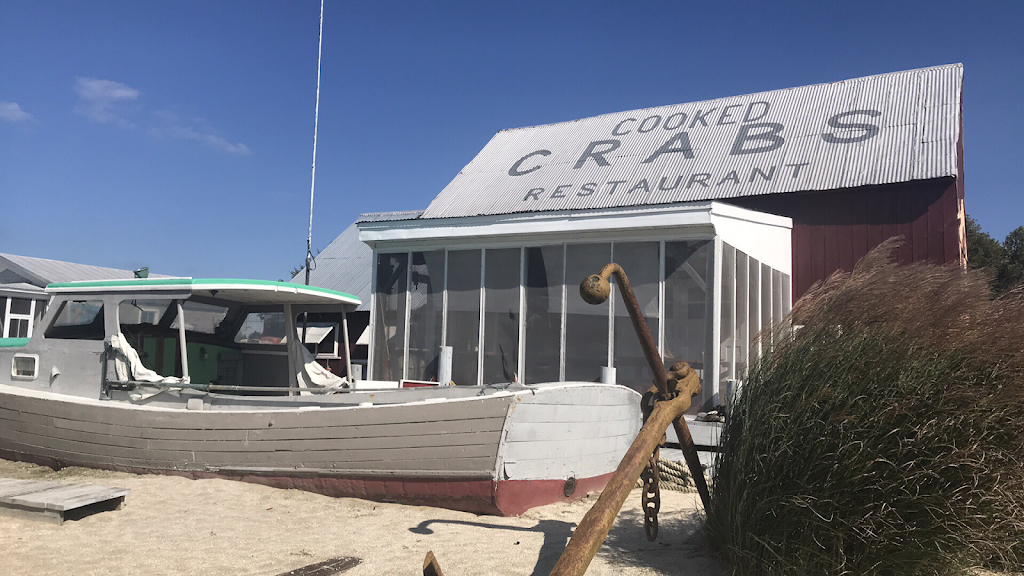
114,379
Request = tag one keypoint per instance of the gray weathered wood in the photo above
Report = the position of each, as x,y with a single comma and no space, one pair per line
50,500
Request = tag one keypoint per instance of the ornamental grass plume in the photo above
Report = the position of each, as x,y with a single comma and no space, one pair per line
884,436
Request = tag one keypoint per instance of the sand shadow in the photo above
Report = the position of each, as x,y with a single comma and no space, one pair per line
682,546
556,534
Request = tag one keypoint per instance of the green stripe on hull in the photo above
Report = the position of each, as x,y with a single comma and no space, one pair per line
13,342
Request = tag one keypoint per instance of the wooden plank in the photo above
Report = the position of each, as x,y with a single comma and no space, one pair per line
97,495
522,451
570,414
457,467
90,450
18,416
343,431
585,395
489,407
107,445
53,498
380,430
65,434
315,443
43,495
126,415
575,432
581,467
347,456
20,487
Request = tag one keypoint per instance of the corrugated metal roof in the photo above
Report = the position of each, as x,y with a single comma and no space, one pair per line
875,130
344,265
46,271
389,216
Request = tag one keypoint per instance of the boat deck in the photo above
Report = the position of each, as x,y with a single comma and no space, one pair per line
51,500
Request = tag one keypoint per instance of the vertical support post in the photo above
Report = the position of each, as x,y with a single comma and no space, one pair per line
521,360
7,318
444,303
408,315
290,348
565,315
611,314
372,327
661,299
183,346
483,304
348,346
715,295
31,317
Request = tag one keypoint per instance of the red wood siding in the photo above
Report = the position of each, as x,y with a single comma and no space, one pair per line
832,230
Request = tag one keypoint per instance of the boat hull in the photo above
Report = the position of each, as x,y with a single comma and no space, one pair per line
503,453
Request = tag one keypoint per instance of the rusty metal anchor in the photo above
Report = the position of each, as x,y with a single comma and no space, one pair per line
663,406
595,290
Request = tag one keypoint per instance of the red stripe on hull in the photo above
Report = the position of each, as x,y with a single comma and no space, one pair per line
517,496
501,498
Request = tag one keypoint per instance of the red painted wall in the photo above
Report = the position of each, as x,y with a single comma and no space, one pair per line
834,229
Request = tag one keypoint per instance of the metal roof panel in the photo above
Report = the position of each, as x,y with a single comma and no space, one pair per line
874,130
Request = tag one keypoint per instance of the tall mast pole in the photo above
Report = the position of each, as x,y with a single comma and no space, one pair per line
316,122
312,178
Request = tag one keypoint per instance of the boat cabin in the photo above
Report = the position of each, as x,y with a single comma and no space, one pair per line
223,335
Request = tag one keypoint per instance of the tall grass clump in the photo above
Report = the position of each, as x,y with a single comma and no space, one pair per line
885,436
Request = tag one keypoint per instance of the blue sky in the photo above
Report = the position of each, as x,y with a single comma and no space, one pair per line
178,135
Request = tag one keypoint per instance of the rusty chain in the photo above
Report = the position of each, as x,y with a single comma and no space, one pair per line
651,498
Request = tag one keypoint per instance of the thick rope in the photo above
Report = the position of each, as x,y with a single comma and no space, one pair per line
673,476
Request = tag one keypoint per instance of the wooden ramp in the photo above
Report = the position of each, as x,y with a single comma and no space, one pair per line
51,500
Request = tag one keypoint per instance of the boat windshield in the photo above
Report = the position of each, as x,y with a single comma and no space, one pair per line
237,347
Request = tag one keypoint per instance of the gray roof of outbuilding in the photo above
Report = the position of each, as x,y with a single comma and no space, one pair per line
43,271
881,129
389,216
344,265
21,287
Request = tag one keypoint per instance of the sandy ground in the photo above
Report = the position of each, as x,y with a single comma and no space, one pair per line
174,525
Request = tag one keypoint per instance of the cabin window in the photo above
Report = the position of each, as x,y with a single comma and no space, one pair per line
464,314
78,320
204,318
389,316
321,338
586,325
687,280
544,286
18,318
142,312
502,275
641,260
139,322
25,366
258,328
426,310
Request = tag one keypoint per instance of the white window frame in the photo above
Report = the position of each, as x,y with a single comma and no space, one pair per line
8,316
35,366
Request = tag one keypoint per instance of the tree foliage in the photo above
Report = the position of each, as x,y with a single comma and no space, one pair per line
983,251
1011,271
1004,261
